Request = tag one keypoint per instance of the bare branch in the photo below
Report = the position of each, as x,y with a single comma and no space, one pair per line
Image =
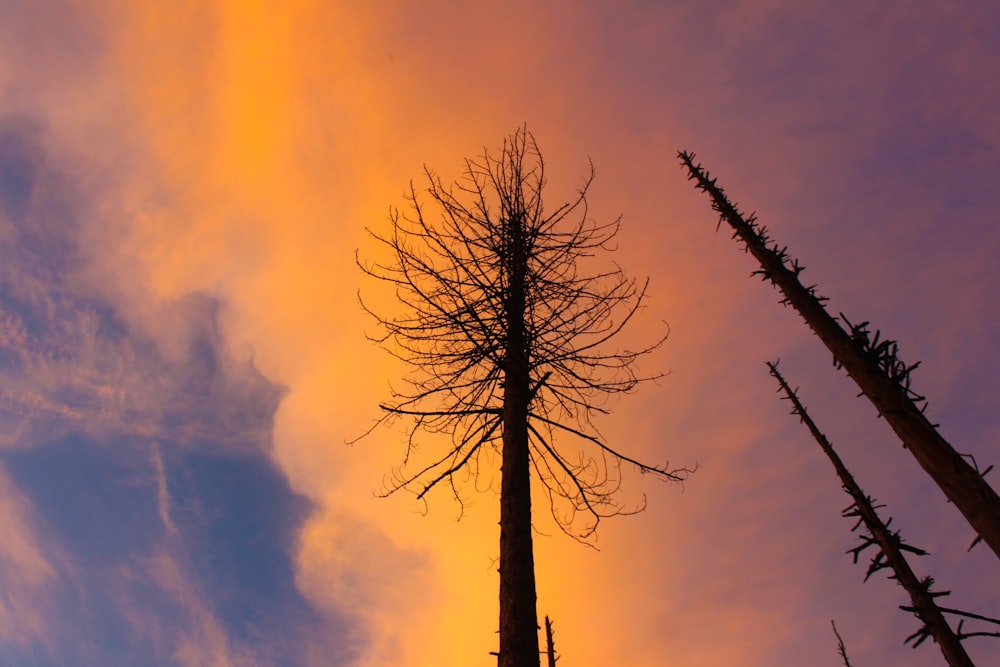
508,342
448,259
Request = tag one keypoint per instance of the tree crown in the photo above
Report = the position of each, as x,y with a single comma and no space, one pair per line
483,266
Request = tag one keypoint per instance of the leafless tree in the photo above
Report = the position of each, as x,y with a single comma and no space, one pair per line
508,339
873,363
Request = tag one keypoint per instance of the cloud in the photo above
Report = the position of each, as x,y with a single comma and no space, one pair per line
127,408
212,584
123,427
166,620
68,356
163,500
346,566
192,184
26,574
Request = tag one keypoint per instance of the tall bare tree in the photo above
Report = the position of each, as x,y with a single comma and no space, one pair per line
506,334
872,363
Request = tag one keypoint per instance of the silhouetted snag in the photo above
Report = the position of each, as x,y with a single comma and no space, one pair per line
504,333
890,547
550,644
872,363
841,649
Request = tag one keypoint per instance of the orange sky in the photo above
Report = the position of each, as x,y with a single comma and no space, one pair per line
240,148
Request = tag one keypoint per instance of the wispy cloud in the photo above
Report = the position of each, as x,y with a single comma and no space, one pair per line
26,575
71,358
203,640
162,492
349,566
182,191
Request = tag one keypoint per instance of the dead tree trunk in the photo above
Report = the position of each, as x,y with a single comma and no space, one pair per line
518,615
874,366
890,546
550,643
841,649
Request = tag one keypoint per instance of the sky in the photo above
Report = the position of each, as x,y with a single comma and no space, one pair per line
183,188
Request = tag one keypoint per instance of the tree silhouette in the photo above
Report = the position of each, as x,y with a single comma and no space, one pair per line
841,649
890,550
550,644
505,334
872,363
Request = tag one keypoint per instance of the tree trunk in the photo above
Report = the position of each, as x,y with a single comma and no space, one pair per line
550,644
518,616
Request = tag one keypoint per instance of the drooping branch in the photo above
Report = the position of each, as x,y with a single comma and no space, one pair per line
890,546
450,259
508,343
873,364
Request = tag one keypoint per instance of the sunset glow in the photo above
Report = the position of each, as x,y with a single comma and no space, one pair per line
183,189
